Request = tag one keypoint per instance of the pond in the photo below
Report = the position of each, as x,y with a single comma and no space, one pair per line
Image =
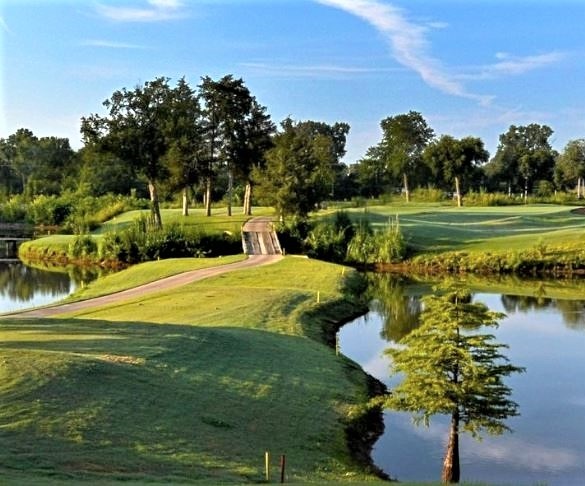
22,286
545,336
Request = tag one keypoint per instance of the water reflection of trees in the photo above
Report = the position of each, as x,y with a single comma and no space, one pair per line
572,311
399,309
397,300
21,283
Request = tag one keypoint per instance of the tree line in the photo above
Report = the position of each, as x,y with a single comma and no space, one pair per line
216,141
411,155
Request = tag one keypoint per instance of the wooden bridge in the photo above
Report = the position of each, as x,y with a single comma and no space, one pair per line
9,247
259,238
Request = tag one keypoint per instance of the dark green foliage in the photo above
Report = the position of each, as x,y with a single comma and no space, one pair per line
292,234
142,242
82,247
367,246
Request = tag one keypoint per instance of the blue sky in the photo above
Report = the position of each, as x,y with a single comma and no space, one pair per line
471,67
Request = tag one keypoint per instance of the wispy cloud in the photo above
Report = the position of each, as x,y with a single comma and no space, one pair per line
111,44
408,42
510,65
313,70
4,26
154,11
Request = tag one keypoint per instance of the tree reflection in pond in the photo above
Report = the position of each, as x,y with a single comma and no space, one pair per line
25,286
400,311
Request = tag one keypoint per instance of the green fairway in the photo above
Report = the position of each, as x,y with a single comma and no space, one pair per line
217,222
148,272
113,394
431,227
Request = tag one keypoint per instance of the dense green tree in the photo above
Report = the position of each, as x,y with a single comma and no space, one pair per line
371,173
184,133
257,140
450,366
455,162
134,130
524,156
299,168
20,154
237,133
35,165
569,168
101,173
399,153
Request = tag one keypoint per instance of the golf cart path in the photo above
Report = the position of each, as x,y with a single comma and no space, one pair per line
149,288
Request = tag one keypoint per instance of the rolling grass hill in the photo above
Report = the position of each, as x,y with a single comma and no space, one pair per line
189,385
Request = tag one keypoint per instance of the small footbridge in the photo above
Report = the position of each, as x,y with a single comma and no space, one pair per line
259,237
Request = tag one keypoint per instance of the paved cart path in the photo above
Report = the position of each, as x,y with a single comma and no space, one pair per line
152,287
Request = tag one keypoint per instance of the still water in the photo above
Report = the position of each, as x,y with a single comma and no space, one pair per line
23,287
547,446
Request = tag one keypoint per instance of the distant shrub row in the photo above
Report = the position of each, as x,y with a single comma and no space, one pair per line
539,260
133,244
73,213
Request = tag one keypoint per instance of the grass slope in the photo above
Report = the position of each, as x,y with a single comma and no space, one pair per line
147,272
116,395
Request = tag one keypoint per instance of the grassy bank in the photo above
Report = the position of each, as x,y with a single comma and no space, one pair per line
215,235
189,385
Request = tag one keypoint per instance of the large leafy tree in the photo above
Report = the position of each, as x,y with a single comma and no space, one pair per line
184,133
404,137
40,165
524,155
450,366
570,166
455,162
20,152
258,131
237,133
300,167
134,130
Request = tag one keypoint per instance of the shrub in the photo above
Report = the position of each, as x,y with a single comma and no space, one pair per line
83,247
428,195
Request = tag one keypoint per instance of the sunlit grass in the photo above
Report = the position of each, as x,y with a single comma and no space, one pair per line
192,384
147,272
431,227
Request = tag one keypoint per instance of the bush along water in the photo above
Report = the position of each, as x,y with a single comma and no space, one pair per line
140,242
342,241
542,259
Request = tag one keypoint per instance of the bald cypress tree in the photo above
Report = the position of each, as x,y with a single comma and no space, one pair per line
450,366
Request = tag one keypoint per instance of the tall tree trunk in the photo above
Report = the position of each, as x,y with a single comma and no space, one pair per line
230,190
579,187
154,206
186,201
451,468
526,191
248,199
457,192
208,196
406,191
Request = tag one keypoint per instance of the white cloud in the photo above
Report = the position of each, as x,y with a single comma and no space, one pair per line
4,26
155,11
408,42
313,70
510,65
111,44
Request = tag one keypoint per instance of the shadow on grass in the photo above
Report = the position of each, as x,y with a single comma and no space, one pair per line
92,399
